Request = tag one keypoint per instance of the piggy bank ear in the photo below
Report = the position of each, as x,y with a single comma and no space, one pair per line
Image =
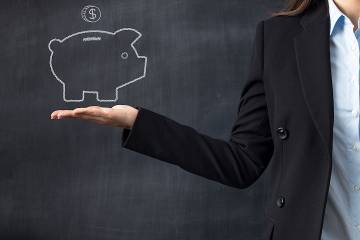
127,35
54,45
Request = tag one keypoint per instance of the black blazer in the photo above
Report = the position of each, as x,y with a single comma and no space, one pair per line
285,120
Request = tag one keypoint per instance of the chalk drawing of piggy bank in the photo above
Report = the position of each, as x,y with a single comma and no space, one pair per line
97,62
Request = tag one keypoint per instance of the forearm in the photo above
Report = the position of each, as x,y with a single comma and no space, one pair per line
223,161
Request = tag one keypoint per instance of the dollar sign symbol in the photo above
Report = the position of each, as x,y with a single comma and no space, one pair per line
92,13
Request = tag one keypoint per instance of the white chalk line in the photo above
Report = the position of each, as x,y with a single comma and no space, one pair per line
97,92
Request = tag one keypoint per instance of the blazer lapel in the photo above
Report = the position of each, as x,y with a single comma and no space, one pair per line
312,51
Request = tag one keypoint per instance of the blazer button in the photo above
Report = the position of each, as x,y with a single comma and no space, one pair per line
280,202
282,132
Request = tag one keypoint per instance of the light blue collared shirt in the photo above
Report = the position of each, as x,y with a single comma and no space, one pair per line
342,213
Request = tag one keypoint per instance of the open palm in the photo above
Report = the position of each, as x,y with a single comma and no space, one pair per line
117,116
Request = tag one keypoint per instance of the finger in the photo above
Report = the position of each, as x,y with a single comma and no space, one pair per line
84,116
59,114
79,110
118,107
62,114
85,113
54,114
90,111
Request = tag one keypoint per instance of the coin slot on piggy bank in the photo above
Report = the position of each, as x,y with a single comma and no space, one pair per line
87,39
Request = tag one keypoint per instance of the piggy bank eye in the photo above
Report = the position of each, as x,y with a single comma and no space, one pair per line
124,55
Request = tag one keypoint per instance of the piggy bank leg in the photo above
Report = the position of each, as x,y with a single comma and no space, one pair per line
73,94
107,94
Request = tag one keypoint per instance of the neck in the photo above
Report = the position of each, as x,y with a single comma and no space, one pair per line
351,8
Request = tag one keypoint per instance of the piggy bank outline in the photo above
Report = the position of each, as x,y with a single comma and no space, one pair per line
96,91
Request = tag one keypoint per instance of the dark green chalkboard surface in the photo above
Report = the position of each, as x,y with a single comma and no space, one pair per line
69,179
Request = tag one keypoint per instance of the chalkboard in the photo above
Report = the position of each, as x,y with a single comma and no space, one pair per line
72,179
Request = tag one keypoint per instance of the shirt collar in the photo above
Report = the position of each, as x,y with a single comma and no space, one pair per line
335,14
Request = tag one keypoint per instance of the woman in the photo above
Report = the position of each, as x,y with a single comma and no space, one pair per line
299,108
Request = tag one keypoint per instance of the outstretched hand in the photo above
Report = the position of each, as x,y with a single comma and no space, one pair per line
118,116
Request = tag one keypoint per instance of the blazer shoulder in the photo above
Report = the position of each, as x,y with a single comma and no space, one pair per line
281,19
279,28
281,22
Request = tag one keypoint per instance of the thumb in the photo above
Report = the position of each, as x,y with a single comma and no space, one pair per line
118,107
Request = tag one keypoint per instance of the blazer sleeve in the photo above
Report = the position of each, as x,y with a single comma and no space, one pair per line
237,162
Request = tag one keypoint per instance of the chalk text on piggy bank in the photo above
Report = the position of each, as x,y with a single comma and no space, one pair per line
96,62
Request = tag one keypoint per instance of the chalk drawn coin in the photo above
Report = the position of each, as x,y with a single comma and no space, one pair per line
91,13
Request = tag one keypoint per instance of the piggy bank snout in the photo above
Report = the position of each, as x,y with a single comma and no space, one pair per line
139,64
140,61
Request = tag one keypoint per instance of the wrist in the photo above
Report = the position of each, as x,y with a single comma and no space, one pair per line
130,117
